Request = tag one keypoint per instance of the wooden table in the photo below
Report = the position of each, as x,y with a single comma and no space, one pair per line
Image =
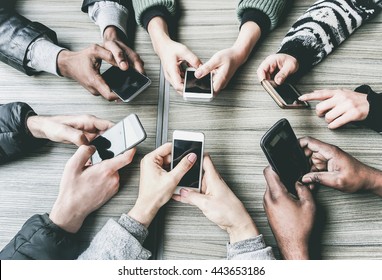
233,124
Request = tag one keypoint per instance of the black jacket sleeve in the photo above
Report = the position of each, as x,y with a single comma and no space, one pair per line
87,3
41,239
15,137
16,34
374,118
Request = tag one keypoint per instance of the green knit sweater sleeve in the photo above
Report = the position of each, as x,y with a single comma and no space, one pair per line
141,6
272,8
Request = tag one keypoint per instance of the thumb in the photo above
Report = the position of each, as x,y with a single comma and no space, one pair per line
183,166
193,198
324,178
304,193
74,136
287,69
81,157
206,68
192,59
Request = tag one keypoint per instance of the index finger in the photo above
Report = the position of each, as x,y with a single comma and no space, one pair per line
119,161
162,151
317,95
316,146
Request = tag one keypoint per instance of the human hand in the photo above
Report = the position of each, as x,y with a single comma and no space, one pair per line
223,65
83,66
172,54
79,130
291,220
122,54
334,168
84,189
220,205
339,106
156,185
278,65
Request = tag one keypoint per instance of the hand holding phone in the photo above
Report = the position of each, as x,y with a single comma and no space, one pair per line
126,84
197,89
123,136
183,143
285,95
284,154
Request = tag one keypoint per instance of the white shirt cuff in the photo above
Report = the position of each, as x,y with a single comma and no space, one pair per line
108,13
42,55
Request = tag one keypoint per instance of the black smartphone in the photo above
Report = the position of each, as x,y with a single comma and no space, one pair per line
123,136
284,154
285,95
183,143
126,84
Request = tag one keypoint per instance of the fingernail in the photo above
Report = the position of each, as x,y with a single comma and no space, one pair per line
301,98
307,180
123,64
183,192
192,157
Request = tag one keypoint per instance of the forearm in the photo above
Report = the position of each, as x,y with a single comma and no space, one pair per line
23,33
118,240
249,35
159,34
15,136
250,249
41,239
323,28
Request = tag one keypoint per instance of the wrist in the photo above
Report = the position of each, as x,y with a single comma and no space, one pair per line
374,181
110,33
243,231
35,126
63,63
158,31
71,222
249,35
143,213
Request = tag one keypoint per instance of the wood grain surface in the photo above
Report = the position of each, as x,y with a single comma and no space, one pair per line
233,124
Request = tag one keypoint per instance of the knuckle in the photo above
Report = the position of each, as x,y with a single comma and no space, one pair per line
94,48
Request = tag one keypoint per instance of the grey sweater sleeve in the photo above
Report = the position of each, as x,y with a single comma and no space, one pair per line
120,240
250,249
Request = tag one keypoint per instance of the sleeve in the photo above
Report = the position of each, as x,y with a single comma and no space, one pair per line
120,240
250,249
109,13
266,13
41,239
374,118
15,137
323,27
146,10
17,33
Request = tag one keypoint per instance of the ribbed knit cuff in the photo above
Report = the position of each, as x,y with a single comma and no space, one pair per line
374,118
273,9
108,13
260,18
153,12
135,228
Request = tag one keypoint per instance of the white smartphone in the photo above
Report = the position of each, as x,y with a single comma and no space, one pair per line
126,84
197,89
183,143
123,136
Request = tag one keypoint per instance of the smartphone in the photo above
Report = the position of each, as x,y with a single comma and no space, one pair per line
126,84
285,95
123,136
183,143
197,89
284,154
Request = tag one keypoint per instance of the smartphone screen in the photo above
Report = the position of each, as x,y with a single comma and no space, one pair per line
288,93
285,154
122,136
181,149
125,83
195,85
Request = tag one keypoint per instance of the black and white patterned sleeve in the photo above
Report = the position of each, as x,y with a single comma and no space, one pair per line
324,26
